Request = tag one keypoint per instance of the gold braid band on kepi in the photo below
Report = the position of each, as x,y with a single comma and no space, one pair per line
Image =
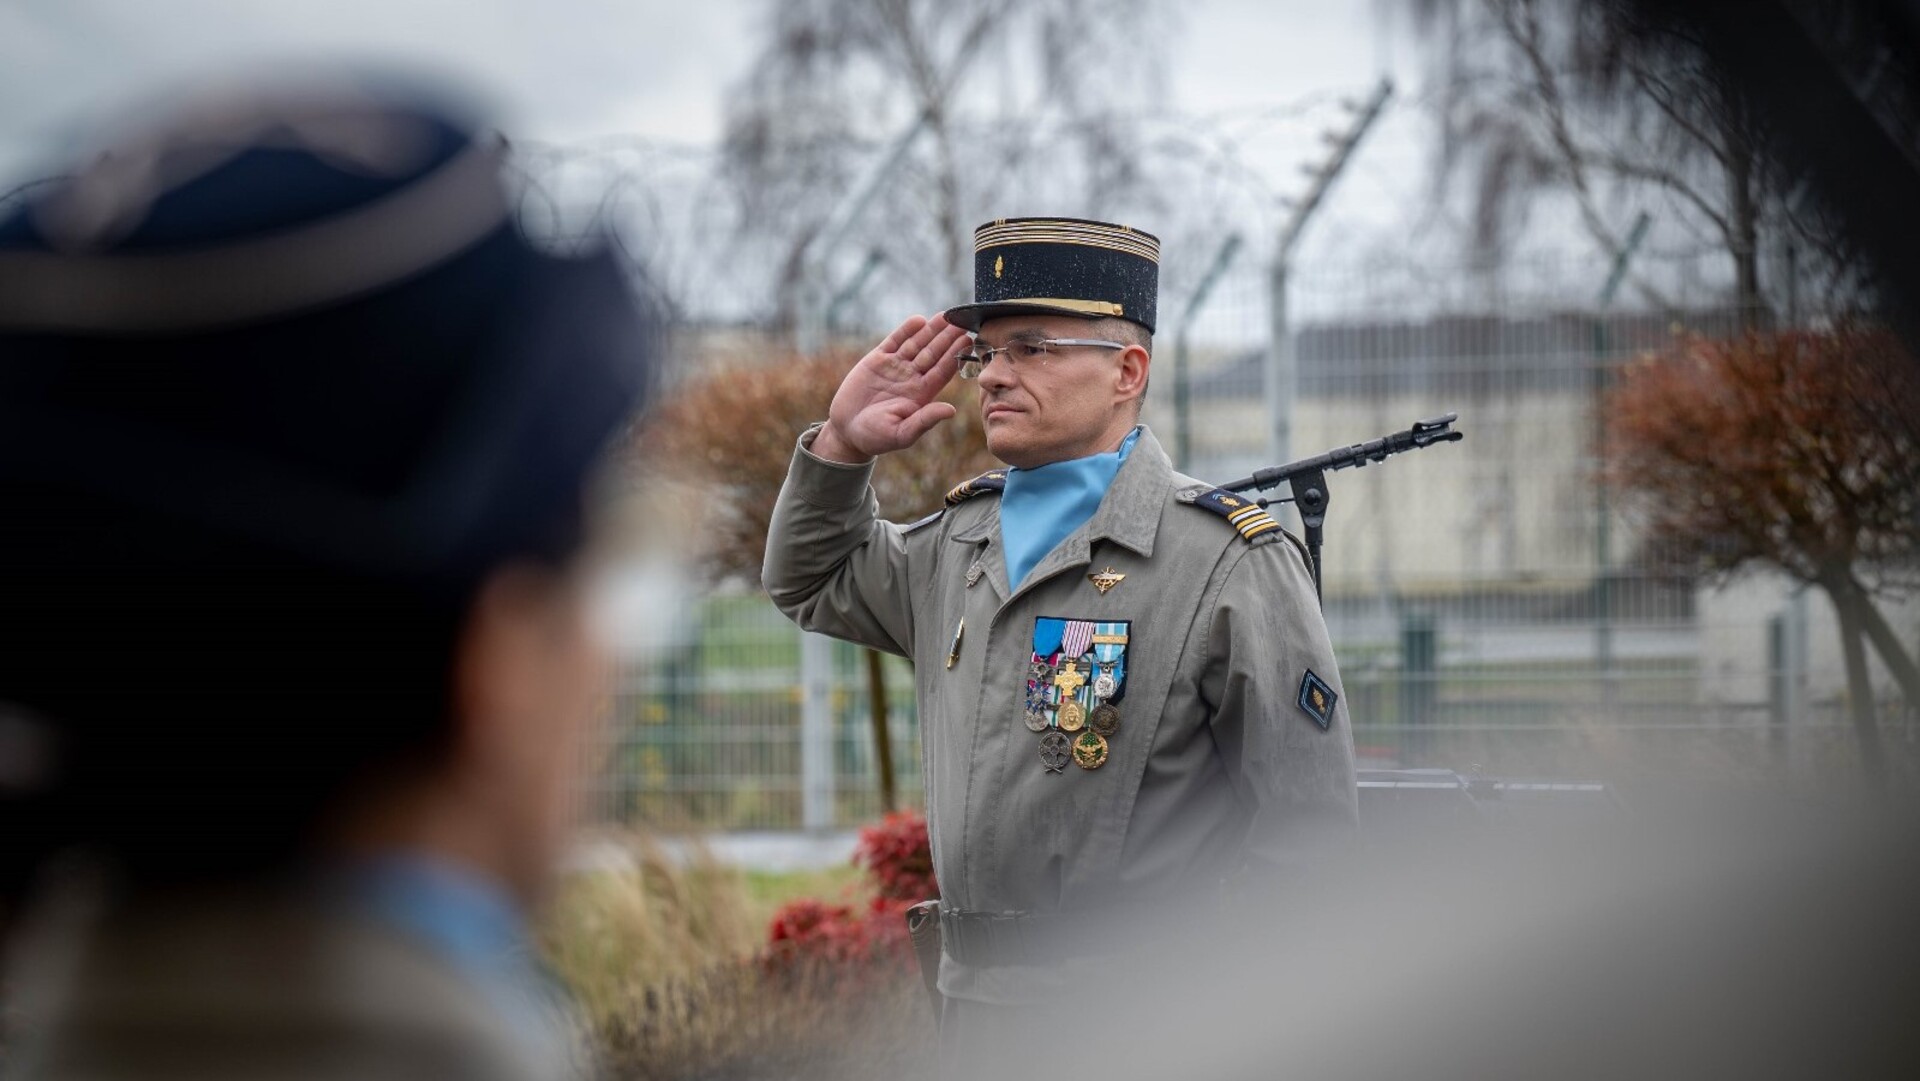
1055,231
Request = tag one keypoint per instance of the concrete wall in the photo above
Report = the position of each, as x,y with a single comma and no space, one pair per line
1733,641
1512,504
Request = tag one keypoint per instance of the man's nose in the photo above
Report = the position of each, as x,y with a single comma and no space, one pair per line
997,373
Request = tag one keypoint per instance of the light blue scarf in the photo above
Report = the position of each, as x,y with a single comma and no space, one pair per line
1040,506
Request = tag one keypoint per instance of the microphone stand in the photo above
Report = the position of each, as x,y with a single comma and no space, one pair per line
1307,478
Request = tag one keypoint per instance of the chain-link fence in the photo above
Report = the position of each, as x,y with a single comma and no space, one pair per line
708,734
1494,608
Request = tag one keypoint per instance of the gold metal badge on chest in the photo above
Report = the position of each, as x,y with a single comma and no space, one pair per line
1105,580
1090,750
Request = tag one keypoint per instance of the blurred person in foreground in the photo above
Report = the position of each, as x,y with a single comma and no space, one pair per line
1128,697
296,663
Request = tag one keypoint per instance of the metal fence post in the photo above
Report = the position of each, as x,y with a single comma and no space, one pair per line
1777,682
816,732
1280,372
1794,661
1603,599
1417,666
1282,375
1182,376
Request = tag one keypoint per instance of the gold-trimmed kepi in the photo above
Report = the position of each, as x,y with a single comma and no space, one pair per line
1062,266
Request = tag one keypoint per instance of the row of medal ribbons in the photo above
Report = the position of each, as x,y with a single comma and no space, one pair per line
1077,673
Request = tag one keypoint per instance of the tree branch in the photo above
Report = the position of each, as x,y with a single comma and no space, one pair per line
1666,178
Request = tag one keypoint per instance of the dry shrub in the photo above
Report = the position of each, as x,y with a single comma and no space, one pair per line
664,960
616,934
743,1023
731,431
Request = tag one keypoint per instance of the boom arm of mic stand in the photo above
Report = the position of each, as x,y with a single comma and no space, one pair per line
1308,477
1423,434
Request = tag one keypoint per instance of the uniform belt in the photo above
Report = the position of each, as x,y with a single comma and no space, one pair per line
984,939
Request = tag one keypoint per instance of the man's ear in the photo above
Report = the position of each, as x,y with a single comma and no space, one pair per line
1135,363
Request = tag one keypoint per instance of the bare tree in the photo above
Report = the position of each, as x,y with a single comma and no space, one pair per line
1594,99
1002,89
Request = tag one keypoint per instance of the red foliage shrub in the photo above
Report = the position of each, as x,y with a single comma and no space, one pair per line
810,932
817,930
897,853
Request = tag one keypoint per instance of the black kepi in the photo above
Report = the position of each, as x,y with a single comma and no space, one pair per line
1062,266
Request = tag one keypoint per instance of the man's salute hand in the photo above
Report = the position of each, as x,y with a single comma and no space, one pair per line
886,403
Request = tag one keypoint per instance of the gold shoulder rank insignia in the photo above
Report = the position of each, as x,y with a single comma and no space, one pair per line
1248,517
991,481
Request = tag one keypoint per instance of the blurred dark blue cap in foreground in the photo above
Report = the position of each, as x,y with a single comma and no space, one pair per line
303,315
281,382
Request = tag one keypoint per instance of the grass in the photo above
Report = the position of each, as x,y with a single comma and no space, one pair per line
766,891
661,959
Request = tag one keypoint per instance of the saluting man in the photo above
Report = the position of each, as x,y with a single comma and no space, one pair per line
1126,690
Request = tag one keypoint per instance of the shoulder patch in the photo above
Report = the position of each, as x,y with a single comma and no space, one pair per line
1317,699
990,481
1248,517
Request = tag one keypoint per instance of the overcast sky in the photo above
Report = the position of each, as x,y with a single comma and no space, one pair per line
560,70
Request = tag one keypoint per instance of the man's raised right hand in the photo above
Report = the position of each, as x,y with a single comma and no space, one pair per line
888,401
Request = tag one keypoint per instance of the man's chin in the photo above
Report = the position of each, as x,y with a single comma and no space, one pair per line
1004,444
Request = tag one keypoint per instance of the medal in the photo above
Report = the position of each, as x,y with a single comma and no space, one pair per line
1104,684
1038,696
1090,750
1069,680
1110,659
1075,676
1071,716
1054,752
1105,719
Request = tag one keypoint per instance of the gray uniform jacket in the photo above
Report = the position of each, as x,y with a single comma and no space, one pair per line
1219,760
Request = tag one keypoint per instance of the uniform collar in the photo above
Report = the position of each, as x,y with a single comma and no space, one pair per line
1129,516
